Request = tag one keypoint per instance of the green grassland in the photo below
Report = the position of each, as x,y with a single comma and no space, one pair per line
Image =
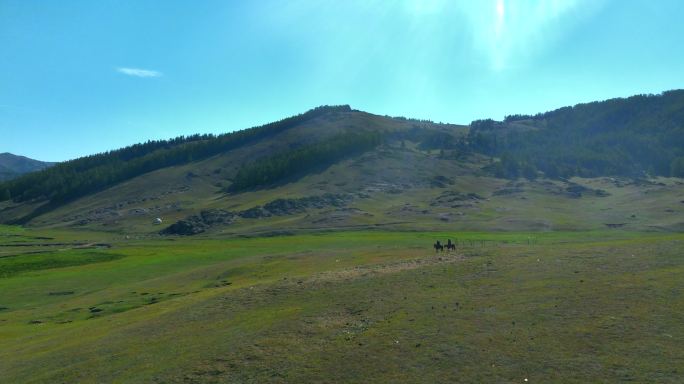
555,279
355,306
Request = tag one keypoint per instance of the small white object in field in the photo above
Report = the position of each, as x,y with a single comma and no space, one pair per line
158,221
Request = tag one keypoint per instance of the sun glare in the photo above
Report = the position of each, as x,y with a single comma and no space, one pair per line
500,9
499,21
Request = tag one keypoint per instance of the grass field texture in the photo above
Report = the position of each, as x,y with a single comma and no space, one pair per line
342,307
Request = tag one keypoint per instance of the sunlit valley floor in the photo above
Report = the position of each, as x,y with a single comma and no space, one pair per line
353,306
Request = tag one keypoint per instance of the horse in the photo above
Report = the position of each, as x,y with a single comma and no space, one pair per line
438,247
450,246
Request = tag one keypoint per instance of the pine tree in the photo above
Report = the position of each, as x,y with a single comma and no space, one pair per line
5,194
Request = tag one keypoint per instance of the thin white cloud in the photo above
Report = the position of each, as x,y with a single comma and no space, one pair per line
138,72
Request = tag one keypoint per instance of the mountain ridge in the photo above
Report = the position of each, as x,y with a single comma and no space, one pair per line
12,165
472,174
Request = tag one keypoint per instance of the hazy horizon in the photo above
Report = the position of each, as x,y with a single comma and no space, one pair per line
85,77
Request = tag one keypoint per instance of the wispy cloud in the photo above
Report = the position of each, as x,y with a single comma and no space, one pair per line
138,72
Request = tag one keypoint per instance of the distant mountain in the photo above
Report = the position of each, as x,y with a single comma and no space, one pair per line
12,166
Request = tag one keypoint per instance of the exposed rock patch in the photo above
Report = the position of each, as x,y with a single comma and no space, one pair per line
217,216
195,224
455,199
382,187
282,207
576,191
186,227
255,213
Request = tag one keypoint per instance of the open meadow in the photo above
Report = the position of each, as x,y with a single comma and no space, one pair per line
358,306
324,192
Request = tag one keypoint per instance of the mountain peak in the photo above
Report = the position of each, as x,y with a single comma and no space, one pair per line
12,165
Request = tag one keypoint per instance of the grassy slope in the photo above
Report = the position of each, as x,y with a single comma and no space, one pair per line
396,180
349,306
196,184
172,195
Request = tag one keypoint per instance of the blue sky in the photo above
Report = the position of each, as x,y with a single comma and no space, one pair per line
80,77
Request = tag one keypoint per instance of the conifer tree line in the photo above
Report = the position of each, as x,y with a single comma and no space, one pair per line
72,179
288,165
638,136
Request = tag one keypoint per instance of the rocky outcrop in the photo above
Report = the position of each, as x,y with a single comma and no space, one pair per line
282,207
217,216
186,227
195,224
255,213
577,190
285,207
455,199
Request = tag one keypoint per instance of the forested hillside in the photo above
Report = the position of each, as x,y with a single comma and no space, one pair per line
76,178
637,136
296,162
